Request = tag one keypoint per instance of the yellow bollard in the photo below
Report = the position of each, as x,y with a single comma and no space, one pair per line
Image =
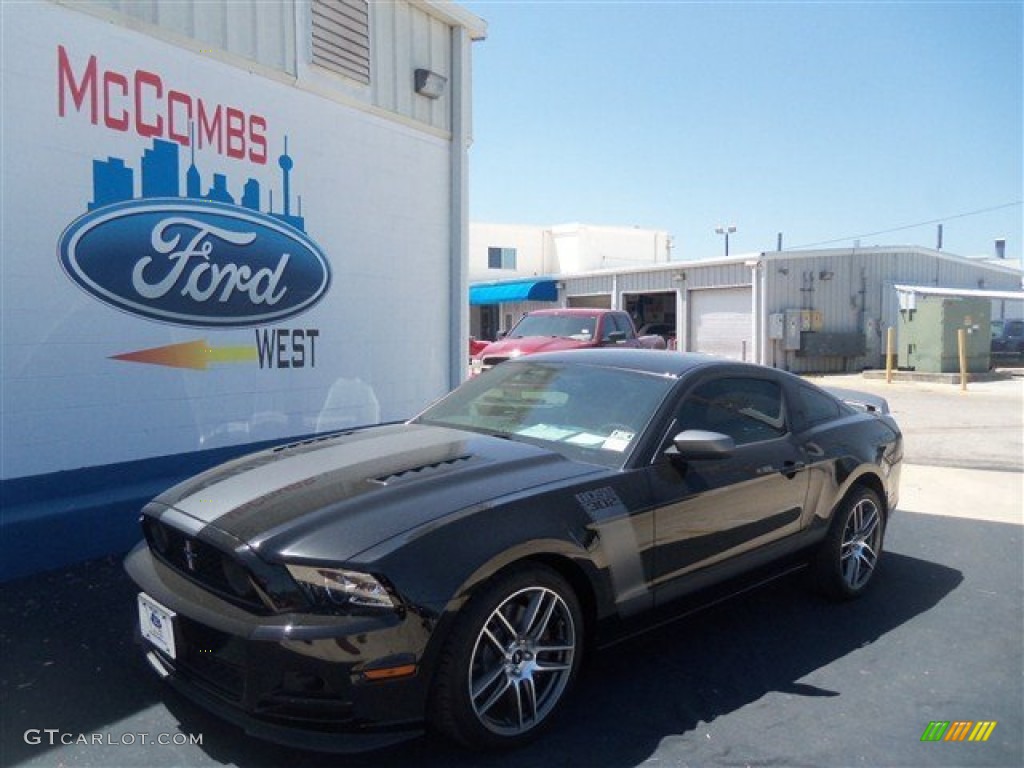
890,345
961,345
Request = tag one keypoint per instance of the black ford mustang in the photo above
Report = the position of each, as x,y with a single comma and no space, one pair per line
348,591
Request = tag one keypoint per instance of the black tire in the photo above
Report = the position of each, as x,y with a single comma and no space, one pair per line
511,659
847,559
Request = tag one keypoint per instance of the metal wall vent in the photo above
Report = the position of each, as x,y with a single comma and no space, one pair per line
341,37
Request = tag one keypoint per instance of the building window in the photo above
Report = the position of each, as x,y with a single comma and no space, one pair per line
501,258
341,37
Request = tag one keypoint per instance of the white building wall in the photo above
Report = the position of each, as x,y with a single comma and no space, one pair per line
584,247
565,249
211,242
532,246
374,190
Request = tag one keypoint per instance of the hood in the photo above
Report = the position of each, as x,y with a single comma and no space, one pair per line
331,498
528,345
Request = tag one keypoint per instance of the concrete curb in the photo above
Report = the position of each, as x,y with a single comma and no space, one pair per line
975,494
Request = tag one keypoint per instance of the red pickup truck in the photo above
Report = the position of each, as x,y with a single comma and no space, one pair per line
546,330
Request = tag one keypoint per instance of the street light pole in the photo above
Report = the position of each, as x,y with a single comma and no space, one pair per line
726,231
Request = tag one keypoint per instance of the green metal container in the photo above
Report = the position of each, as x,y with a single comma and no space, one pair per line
928,334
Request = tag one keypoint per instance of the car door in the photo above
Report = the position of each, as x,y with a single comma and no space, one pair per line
711,510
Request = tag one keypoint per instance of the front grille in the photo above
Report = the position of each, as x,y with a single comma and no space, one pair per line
275,685
204,564
212,659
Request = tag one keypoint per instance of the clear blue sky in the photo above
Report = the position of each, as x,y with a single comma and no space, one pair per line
823,121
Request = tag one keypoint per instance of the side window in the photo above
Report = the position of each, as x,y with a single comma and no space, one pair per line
817,407
748,410
624,325
608,326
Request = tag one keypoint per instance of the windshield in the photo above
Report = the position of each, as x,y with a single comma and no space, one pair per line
585,412
567,326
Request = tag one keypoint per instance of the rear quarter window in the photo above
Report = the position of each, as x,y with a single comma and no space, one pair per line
816,407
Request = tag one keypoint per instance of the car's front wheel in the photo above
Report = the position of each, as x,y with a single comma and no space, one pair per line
512,657
846,561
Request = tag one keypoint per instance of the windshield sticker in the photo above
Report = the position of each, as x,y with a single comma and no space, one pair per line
618,441
546,432
587,439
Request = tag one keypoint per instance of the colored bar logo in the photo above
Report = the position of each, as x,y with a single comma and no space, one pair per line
959,730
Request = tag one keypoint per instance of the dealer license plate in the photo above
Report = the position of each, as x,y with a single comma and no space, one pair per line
157,624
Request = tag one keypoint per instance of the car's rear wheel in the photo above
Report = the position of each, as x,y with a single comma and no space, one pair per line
510,660
846,561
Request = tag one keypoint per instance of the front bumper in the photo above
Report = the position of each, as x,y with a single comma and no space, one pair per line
299,680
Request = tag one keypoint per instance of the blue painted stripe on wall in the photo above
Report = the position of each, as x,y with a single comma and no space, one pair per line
54,520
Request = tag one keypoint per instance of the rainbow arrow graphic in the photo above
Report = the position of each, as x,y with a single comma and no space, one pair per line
197,355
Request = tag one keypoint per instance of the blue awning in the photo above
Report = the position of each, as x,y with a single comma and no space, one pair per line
518,290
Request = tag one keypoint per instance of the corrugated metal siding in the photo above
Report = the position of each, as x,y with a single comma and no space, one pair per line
341,37
406,38
846,288
855,296
718,275
858,297
374,47
589,285
258,30
648,282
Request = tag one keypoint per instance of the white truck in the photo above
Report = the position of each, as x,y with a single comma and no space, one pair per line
213,213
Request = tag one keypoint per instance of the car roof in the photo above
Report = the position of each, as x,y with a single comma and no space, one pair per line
645,360
582,311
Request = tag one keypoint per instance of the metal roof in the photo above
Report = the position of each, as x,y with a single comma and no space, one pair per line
973,293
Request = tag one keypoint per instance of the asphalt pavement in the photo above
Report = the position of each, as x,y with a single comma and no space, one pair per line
776,677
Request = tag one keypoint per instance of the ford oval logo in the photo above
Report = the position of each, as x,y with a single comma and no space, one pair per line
195,263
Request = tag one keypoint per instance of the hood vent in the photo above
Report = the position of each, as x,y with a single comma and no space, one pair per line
423,470
312,441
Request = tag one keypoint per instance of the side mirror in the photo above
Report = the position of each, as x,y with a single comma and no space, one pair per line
696,444
501,335
615,337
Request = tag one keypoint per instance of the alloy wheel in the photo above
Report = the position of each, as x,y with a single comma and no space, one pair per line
522,661
861,544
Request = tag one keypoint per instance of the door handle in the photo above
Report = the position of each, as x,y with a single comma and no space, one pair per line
814,450
790,468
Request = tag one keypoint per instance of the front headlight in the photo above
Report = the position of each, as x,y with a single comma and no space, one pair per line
338,588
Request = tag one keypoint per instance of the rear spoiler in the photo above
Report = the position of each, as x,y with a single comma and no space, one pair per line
860,400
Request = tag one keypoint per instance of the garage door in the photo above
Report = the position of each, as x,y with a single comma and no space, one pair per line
720,322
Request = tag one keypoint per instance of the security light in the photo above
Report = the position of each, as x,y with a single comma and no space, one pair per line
430,84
